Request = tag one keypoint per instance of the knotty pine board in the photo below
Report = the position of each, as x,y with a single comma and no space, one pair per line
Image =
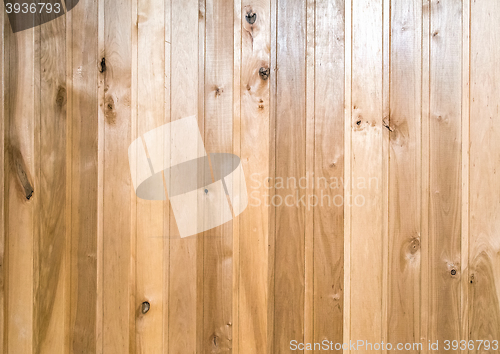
398,94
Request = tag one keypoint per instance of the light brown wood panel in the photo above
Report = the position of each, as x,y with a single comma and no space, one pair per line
255,144
82,89
50,290
184,322
20,188
365,196
218,136
328,152
368,102
118,282
444,238
405,166
150,250
290,156
484,307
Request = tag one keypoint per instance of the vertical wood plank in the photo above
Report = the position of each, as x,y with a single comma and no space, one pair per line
166,205
50,260
425,263
445,170
255,120
329,171
465,211
348,51
290,167
150,73
310,164
183,286
218,133
3,115
273,105
21,185
405,173
83,101
237,142
117,182
366,199
484,288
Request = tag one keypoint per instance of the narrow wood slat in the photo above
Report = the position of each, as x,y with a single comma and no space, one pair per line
20,183
445,171
328,171
83,86
50,252
365,198
405,173
254,90
218,136
117,237
290,166
183,273
150,256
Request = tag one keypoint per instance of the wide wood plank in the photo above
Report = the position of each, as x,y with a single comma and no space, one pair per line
183,273
150,214
51,236
84,124
117,276
289,279
255,38
328,220
484,275
405,174
365,197
445,171
21,189
218,137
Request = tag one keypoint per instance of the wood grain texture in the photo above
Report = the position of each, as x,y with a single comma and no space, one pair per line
150,255
84,125
290,167
183,303
445,171
20,184
484,308
255,140
405,174
218,137
365,197
328,152
117,277
367,131
51,236
3,115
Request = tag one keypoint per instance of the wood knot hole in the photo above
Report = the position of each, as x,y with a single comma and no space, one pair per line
251,17
103,65
453,272
264,73
145,307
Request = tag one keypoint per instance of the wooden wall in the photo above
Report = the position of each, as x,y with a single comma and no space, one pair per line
395,100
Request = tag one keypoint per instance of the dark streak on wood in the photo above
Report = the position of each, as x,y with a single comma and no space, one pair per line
61,96
22,172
